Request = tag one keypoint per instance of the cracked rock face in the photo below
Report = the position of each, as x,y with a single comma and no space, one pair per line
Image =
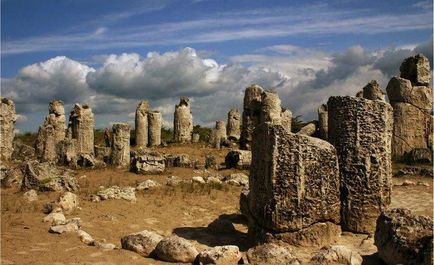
183,122
294,180
120,154
361,131
7,128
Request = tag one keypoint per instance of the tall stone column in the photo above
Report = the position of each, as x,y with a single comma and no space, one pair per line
141,124
120,155
155,121
286,116
81,127
7,128
251,114
323,121
270,108
361,131
51,132
183,122
218,134
234,124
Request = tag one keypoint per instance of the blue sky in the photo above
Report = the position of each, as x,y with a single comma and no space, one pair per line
110,54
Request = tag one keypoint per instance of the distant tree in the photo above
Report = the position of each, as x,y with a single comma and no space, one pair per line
297,123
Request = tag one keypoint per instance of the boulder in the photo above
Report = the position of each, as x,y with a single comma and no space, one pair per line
143,162
69,226
85,237
55,218
198,179
177,160
143,242
404,238
68,202
147,184
30,195
173,181
220,255
176,249
337,254
237,179
416,69
271,254
117,193
401,90
240,159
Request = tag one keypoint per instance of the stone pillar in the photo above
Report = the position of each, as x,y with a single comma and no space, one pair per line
51,132
361,131
373,91
7,128
251,114
294,186
120,155
234,124
155,121
80,127
412,104
183,122
323,121
271,109
286,116
218,134
141,124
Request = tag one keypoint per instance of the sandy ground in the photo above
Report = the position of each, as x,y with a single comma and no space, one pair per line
185,210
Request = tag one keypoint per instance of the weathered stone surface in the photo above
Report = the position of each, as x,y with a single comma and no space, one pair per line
401,90
177,160
198,179
176,249
46,177
183,121
81,127
85,237
286,119
271,254
240,159
64,228
195,138
294,179
22,151
7,128
30,196
237,179
359,94
120,152
373,91
67,152
251,114
218,134
220,255
233,128
117,193
143,242
144,162
155,121
141,124
417,70
147,184
323,115
420,155
68,202
210,161
404,238
10,176
361,131
309,129
270,108
55,218
336,254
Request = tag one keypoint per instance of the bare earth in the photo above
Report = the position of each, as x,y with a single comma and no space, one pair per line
185,210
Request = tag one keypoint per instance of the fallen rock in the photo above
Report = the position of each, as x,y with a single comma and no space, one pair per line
336,254
176,249
240,159
71,225
30,195
147,184
220,255
143,242
198,179
213,180
237,179
117,193
68,202
177,160
143,162
172,181
55,218
404,238
271,254
85,237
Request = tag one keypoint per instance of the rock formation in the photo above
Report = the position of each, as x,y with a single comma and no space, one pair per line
361,131
183,121
323,121
270,108
373,91
218,134
141,124
144,162
51,132
233,128
294,186
80,127
7,128
309,129
411,99
251,114
120,155
286,116
155,121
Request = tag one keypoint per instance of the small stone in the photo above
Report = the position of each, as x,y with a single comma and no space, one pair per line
220,255
237,179
55,218
420,183
408,183
176,249
31,195
143,242
147,184
85,237
64,228
337,254
172,181
115,192
198,179
68,202
271,254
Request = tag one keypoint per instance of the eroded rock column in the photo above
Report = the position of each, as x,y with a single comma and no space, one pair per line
251,114
81,127
270,108
218,134
7,128
361,131
286,117
373,91
141,124
323,121
120,154
294,187
183,122
51,132
234,125
155,121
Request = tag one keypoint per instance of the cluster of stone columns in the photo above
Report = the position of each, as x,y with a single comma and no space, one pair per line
183,122
147,125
